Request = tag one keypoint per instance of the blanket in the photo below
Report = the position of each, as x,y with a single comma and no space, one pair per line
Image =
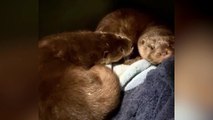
152,100
130,76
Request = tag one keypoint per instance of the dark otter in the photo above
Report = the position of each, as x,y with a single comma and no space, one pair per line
71,87
128,23
85,48
132,24
125,22
79,94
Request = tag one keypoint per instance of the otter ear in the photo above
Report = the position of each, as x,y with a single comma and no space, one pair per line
106,53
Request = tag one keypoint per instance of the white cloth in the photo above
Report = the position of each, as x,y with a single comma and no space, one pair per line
132,71
132,75
138,79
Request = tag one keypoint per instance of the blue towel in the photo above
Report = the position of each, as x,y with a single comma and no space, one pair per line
152,100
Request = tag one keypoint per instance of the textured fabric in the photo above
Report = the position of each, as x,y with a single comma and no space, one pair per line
131,76
152,100
120,69
133,70
138,79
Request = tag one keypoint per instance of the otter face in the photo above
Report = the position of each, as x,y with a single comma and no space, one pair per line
156,44
154,55
85,48
118,47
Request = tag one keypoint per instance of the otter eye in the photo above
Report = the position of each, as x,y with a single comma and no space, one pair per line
164,53
121,49
142,42
151,47
106,54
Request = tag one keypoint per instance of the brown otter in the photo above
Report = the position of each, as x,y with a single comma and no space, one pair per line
127,23
134,25
156,44
85,48
79,94
71,87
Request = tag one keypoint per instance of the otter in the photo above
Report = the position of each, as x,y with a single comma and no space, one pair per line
128,23
85,48
156,44
135,26
74,85
79,94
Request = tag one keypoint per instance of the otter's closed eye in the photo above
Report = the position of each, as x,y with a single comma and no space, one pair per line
151,47
164,53
121,50
142,42
106,54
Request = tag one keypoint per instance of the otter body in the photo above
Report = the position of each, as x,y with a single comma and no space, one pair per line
85,48
136,26
80,94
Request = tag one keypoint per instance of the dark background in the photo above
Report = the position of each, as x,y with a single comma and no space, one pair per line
69,15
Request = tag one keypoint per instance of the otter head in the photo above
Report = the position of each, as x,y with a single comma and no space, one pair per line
156,44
